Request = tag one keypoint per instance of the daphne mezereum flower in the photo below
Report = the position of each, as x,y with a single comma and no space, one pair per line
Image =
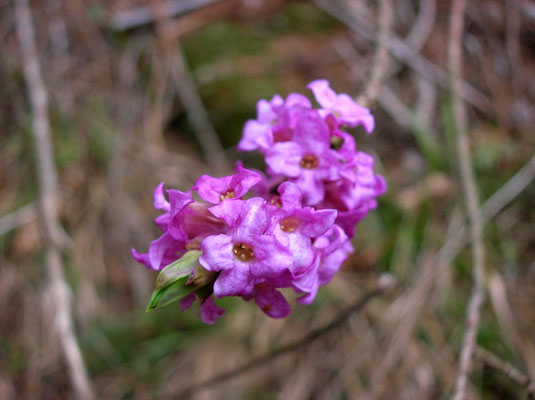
215,190
246,253
333,248
295,226
294,235
346,110
210,311
275,122
307,159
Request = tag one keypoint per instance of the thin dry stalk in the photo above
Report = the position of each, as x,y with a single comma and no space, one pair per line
510,371
471,197
187,91
385,283
380,62
48,183
17,218
404,53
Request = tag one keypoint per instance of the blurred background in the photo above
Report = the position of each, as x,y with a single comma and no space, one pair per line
142,92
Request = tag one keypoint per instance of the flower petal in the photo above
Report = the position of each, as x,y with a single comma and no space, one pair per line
324,95
254,219
210,189
271,301
255,136
237,281
160,203
243,180
186,302
217,253
210,311
283,158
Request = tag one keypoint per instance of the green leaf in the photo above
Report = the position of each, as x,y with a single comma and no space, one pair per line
179,279
169,294
178,269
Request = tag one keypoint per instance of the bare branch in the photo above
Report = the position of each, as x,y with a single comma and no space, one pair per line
510,371
380,62
471,198
403,52
187,91
385,283
17,218
140,16
48,183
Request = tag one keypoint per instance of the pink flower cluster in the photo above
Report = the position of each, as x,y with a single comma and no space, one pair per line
294,231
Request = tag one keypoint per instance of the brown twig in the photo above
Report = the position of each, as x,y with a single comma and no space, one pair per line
380,62
510,371
403,52
48,183
187,92
385,283
17,218
471,197
142,15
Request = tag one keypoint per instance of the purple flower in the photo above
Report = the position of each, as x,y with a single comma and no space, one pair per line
210,311
171,245
274,123
359,187
307,159
295,227
245,253
332,249
183,221
215,190
316,189
342,106
271,301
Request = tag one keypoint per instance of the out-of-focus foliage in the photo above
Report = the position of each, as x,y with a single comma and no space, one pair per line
120,128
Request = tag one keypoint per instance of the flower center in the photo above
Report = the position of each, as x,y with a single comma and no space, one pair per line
310,161
243,252
228,195
282,135
336,142
289,224
276,201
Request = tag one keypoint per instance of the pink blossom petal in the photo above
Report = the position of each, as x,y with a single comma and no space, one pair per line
142,258
186,302
160,203
271,301
228,210
324,95
271,257
290,195
217,253
254,219
283,158
237,281
298,101
210,311
315,222
243,180
255,136
210,189
178,200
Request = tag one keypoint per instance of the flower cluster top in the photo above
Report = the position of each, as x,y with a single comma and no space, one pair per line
253,233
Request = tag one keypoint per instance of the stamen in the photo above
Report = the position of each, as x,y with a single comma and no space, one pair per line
336,142
243,252
289,224
310,161
228,195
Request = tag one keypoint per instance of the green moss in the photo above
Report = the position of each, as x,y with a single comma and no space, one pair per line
223,40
